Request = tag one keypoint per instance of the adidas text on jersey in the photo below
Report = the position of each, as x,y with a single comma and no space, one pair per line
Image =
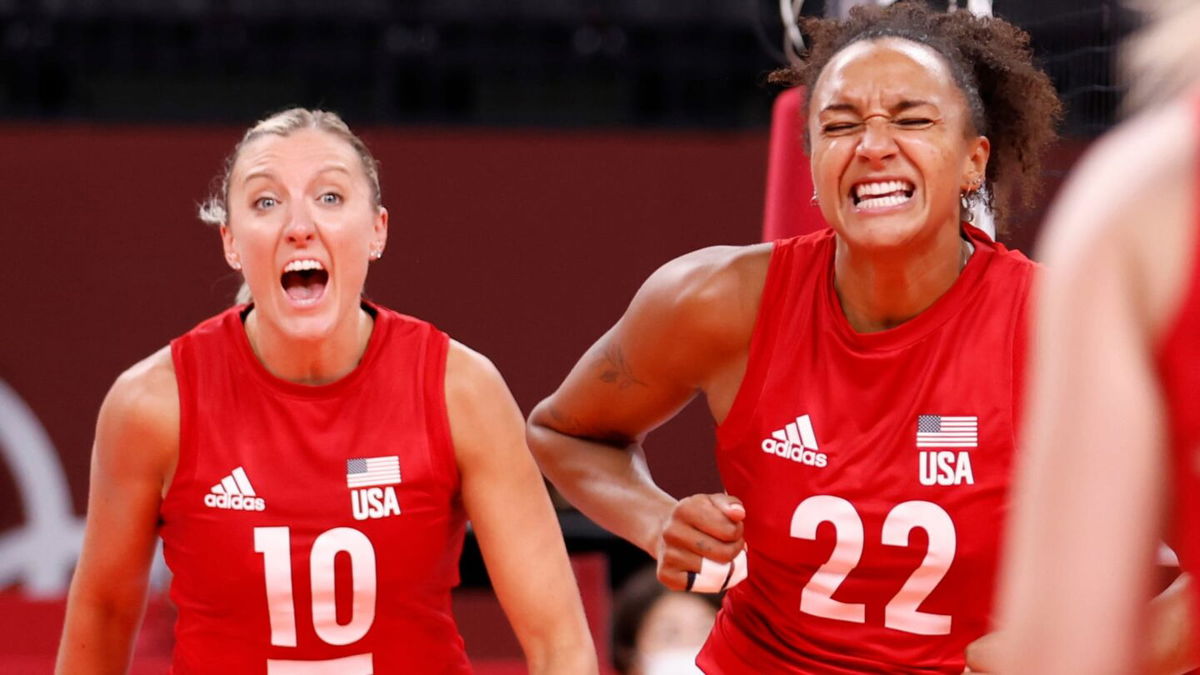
235,493
797,442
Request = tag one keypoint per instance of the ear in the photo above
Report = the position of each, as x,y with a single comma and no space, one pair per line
379,241
231,254
975,167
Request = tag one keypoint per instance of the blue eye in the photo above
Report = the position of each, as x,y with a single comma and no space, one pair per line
331,198
265,202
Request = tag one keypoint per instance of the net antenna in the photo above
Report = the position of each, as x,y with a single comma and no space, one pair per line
976,7
793,41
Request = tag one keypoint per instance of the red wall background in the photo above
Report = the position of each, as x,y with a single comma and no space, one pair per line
525,246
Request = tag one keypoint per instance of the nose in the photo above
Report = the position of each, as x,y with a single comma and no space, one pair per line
876,143
300,227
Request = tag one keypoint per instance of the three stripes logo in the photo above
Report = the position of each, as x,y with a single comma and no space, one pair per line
235,493
796,441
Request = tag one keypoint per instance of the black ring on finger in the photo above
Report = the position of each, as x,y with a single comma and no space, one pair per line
691,581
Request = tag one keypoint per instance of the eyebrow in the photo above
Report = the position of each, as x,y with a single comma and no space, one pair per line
898,108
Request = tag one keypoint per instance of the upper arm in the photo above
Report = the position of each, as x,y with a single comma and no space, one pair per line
690,320
507,502
135,449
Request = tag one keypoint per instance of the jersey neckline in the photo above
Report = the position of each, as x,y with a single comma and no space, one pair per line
236,318
921,325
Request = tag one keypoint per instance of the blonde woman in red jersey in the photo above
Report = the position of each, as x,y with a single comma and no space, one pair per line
864,379
1114,425
310,459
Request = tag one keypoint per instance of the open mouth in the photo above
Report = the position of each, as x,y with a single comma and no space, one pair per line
882,194
304,281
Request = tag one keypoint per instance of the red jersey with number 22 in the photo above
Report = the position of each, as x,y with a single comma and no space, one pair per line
314,530
874,468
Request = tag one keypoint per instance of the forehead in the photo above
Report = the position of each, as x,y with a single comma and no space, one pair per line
885,70
301,151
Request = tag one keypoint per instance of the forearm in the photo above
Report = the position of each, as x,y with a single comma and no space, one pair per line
97,638
609,484
564,656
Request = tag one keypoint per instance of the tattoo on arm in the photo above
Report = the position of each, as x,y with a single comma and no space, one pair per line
614,369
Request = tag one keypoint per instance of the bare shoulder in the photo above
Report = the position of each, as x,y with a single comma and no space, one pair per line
147,392
483,416
470,375
138,427
1129,201
713,292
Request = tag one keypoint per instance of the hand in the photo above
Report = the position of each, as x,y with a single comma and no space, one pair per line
700,526
981,654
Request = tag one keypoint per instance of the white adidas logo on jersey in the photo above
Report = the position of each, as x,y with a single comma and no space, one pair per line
235,493
797,442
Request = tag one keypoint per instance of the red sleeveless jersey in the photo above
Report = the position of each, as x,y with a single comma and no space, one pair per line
874,468
314,529
1179,371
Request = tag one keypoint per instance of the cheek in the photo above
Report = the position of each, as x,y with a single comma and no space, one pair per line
826,164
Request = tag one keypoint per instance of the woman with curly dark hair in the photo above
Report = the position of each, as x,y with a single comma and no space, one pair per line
864,379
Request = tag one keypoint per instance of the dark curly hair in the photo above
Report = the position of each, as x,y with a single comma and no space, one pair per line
1010,100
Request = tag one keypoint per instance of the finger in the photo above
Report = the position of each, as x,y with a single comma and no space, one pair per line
703,514
715,577
682,536
729,505
676,578
674,561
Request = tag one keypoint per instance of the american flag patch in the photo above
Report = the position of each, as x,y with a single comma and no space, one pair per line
368,471
937,431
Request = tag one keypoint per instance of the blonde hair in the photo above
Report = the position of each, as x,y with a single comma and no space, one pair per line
215,208
1162,60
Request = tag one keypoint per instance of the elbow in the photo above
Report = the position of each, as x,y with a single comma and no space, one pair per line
541,435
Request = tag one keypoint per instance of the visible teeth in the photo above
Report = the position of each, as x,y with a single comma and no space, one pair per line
302,265
881,188
881,202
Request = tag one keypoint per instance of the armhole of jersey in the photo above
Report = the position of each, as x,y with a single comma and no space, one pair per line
437,348
185,463
762,339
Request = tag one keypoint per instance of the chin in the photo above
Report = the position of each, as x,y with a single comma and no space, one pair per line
304,324
884,232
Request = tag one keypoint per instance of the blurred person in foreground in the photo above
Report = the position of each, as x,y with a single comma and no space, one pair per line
310,459
1113,441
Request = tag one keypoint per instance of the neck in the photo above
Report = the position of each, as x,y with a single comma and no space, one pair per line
883,288
310,362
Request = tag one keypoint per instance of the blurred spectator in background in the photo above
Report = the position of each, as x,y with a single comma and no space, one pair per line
657,631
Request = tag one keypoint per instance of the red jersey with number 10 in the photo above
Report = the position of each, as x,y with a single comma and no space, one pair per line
874,469
314,529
